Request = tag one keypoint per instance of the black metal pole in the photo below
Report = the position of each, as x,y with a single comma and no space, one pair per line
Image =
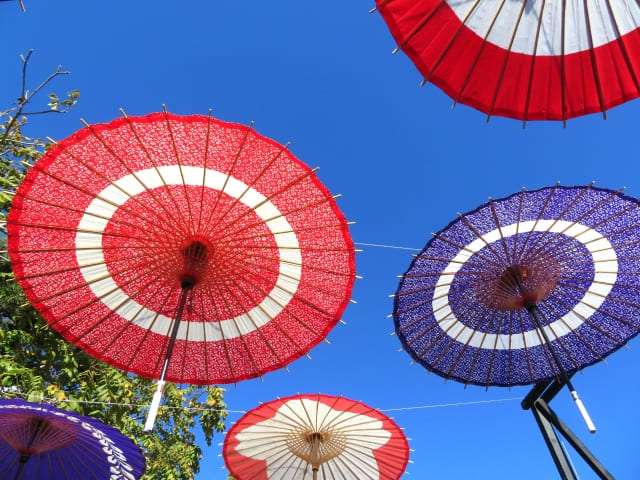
187,285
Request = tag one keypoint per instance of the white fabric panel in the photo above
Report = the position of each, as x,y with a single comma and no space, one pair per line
625,12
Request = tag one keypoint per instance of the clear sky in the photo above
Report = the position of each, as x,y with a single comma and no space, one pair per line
321,75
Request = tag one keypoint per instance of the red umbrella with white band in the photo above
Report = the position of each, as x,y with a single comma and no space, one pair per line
315,437
546,60
181,248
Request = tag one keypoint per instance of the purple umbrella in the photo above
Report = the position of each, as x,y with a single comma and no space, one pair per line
41,442
527,288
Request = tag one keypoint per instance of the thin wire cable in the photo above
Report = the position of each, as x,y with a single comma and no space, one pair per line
387,246
90,402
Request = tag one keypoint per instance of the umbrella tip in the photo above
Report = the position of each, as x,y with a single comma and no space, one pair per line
373,9
342,322
353,301
393,334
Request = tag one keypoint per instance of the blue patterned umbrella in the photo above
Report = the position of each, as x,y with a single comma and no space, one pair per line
40,442
526,288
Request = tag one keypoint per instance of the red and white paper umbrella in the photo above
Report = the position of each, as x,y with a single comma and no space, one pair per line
530,60
315,437
181,248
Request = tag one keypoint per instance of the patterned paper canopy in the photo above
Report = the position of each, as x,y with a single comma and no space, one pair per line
573,252
40,442
530,60
315,436
112,222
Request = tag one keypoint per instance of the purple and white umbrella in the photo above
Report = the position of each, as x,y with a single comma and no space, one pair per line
41,442
526,288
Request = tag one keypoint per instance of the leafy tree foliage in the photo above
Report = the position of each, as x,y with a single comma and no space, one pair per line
37,363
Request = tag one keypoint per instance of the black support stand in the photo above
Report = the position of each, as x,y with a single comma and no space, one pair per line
550,425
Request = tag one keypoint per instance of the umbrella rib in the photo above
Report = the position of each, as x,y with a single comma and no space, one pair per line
451,318
257,327
284,308
496,220
417,305
623,48
504,63
420,25
552,191
478,53
487,244
82,212
228,176
517,233
612,299
533,64
526,349
478,350
141,342
547,350
482,267
493,350
535,250
445,50
74,267
177,155
248,187
563,66
573,331
466,248
225,228
182,220
476,324
224,341
112,311
331,293
242,338
204,170
594,63
558,338
588,321
544,248
125,166
90,193
205,341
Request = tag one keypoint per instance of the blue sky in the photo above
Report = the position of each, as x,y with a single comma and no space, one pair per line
322,76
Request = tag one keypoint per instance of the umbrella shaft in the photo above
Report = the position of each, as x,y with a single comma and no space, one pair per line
533,312
186,288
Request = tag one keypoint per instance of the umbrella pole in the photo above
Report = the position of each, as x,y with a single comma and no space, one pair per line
533,312
21,465
187,285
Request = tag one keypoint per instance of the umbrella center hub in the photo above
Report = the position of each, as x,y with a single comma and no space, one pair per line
29,435
195,256
316,447
520,285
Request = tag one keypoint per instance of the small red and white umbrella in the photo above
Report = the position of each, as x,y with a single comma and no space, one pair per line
181,248
315,437
529,60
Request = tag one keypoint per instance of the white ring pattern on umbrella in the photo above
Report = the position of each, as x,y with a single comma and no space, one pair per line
576,35
602,253
96,218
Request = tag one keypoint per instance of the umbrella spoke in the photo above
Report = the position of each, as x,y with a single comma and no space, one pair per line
451,41
419,25
226,231
533,64
95,171
177,219
545,247
503,69
228,176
